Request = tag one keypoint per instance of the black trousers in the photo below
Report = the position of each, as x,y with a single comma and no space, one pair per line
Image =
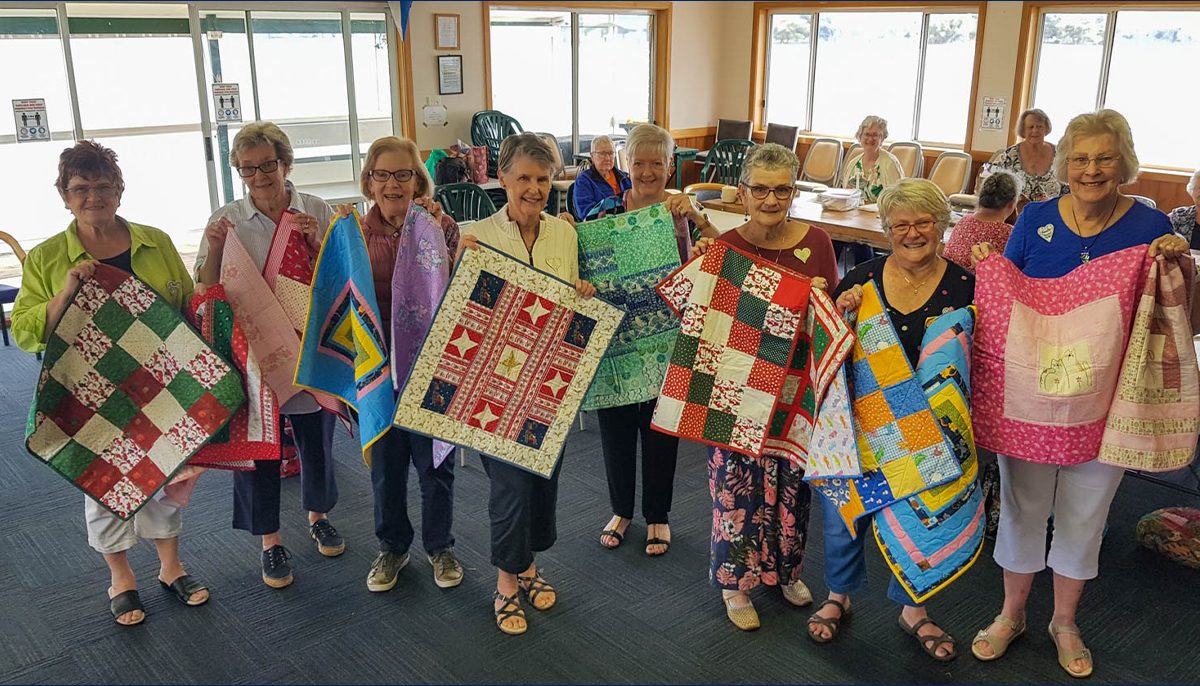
256,493
389,481
619,431
522,512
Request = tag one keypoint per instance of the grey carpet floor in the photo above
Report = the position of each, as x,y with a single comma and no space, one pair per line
621,617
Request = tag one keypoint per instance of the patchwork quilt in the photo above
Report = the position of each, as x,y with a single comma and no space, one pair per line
127,393
741,318
289,269
901,450
1048,354
419,280
625,256
344,351
1154,418
507,361
931,538
253,432
824,343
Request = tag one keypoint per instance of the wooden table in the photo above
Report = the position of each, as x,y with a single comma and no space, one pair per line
855,226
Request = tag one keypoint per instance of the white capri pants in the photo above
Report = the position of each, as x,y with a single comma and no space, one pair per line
108,534
1078,496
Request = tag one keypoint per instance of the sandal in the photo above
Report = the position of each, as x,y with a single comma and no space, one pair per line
656,540
123,603
932,642
504,613
998,645
834,624
184,588
535,587
612,532
1066,657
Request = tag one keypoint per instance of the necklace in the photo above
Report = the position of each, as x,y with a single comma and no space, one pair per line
916,288
1085,249
778,254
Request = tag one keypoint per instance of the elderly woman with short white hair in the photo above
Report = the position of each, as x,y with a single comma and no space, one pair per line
601,182
1183,219
874,168
1031,159
1095,158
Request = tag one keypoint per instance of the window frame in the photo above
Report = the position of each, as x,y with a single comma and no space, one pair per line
760,56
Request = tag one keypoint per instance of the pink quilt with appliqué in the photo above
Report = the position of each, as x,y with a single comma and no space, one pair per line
1048,354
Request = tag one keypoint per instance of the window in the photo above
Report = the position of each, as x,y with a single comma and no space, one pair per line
828,70
1092,60
532,52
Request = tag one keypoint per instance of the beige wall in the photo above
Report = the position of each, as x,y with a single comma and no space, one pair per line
695,58
997,70
424,70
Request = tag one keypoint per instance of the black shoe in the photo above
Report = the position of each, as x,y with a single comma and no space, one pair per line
329,541
276,570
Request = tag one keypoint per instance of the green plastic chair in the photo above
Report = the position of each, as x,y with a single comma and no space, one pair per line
464,201
724,161
490,127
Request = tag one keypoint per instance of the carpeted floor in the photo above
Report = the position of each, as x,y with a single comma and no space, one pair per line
621,617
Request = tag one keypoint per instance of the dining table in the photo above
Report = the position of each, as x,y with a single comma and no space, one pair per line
850,226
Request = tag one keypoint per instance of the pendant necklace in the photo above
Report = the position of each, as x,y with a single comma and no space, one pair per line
778,254
916,288
1085,249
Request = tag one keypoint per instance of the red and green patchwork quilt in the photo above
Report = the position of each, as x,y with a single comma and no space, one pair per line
741,318
127,393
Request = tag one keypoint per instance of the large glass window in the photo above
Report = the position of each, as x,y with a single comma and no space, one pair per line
1091,60
912,68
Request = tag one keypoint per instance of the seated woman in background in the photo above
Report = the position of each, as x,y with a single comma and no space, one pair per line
1183,219
874,168
601,181
997,201
1031,158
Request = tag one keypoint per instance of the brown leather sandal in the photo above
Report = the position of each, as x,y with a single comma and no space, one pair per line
932,642
535,587
834,624
511,608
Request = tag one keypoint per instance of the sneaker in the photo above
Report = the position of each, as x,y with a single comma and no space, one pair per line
329,541
385,571
276,570
447,570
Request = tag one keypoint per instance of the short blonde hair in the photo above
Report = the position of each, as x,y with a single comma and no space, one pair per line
528,145
1036,114
769,156
918,195
1098,124
649,136
258,133
869,121
395,144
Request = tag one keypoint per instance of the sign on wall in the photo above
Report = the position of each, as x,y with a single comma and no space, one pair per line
993,113
30,117
227,102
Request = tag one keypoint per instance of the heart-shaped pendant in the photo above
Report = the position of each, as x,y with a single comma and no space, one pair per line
802,254
1046,232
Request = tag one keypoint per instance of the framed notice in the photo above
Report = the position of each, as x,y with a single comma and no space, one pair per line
445,32
450,76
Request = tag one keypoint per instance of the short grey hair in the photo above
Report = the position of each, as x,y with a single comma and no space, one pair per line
258,133
650,137
603,139
1191,184
1098,124
999,189
918,195
528,145
1036,114
869,121
769,156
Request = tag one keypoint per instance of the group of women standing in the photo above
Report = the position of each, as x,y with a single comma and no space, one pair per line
760,505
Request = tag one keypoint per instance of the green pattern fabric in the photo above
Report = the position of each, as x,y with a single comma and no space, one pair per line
625,256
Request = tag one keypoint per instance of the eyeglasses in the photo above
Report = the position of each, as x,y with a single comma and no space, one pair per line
761,192
105,190
921,227
266,167
1102,161
382,175
603,154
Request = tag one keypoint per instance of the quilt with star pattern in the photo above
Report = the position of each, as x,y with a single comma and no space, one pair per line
507,361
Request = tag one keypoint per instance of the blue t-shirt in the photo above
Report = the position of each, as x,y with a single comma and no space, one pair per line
1042,258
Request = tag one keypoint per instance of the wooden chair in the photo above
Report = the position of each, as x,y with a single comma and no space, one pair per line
729,129
465,201
823,161
783,135
951,172
724,163
490,127
911,156
8,294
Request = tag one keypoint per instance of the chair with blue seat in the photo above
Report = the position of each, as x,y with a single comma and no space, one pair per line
724,162
490,128
8,294
465,201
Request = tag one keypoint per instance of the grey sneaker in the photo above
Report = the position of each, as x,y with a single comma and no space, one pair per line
385,571
447,570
